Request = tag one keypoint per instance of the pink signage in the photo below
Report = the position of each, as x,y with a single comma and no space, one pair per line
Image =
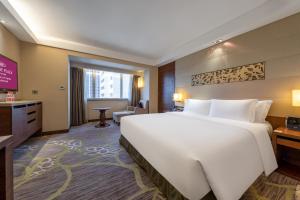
8,74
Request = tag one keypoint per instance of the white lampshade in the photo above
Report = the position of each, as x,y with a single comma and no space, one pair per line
177,97
140,82
296,98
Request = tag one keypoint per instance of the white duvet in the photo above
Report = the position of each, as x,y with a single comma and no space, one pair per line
197,153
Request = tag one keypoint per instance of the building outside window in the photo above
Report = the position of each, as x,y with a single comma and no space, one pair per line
104,84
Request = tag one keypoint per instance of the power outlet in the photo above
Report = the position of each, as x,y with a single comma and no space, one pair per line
35,92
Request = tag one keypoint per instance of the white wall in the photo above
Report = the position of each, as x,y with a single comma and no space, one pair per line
146,89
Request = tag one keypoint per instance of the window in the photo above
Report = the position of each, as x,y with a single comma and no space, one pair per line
103,84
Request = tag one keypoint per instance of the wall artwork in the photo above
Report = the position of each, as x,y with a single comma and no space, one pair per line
248,72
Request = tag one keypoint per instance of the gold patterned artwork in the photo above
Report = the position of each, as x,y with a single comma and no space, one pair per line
248,72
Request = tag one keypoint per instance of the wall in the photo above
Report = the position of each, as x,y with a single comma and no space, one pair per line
10,47
278,44
47,68
116,105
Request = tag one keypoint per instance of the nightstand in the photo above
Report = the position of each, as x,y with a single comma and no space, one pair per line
178,108
286,144
285,137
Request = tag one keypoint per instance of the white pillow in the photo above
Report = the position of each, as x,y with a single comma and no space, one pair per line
242,110
197,106
261,110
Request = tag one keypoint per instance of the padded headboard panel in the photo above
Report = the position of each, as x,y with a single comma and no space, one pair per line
276,121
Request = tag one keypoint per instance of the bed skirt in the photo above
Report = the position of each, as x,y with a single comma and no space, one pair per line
163,185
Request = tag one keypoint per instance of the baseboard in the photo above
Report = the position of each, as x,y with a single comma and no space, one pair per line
53,132
97,120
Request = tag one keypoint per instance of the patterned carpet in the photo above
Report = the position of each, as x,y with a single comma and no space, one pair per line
88,163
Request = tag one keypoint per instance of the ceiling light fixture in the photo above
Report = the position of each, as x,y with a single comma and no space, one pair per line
218,41
2,21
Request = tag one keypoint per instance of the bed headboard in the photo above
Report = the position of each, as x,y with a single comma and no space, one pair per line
276,121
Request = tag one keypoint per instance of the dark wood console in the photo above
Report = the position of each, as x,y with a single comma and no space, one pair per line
6,168
21,119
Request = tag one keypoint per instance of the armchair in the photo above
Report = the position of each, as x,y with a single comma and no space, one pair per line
131,110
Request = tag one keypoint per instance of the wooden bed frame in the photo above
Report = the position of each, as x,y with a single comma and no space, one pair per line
276,121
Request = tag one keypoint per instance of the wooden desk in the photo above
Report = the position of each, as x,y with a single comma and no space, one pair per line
102,123
6,168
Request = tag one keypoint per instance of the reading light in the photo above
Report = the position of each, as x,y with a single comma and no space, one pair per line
177,97
140,82
296,98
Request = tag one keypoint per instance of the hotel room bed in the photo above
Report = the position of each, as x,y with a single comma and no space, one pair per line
197,154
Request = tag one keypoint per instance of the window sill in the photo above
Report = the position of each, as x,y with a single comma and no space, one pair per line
107,99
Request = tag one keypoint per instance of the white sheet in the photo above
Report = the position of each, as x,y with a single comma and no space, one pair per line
196,153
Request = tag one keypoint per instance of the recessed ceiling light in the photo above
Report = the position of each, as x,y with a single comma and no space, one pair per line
2,21
218,41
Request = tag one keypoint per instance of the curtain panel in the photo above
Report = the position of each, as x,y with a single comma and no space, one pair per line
77,97
135,92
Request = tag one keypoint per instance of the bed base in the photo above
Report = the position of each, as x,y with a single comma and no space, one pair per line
163,185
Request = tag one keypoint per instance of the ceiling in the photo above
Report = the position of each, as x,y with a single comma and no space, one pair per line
149,32
93,62
12,24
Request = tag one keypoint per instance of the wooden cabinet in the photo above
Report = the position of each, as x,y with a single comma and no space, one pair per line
6,168
166,87
20,119
285,137
286,144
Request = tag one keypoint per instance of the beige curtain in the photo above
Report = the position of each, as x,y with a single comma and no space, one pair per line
135,91
77,97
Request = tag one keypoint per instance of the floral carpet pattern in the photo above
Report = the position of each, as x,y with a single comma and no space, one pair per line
88,163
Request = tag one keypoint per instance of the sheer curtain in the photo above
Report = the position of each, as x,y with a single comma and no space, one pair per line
130,89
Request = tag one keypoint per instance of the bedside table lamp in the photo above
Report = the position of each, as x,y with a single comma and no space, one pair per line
293,123
140,82
296,98
177,97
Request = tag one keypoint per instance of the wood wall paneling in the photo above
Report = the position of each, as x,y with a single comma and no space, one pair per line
166,87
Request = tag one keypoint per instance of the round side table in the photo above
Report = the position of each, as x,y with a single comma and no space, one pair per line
102,123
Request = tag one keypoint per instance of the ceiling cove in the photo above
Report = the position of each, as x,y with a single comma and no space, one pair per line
148,32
